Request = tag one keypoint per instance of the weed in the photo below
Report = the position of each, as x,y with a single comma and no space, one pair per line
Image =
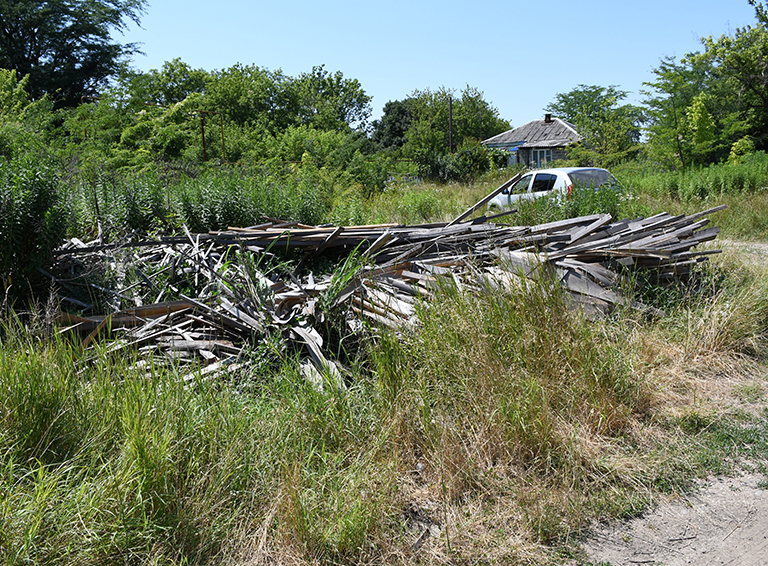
750,392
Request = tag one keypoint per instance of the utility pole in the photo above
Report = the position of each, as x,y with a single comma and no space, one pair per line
450,124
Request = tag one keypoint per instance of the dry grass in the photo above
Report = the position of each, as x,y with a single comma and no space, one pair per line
493,434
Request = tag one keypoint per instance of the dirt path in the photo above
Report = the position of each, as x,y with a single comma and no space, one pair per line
725,522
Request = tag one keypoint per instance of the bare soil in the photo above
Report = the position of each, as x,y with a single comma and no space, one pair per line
724,522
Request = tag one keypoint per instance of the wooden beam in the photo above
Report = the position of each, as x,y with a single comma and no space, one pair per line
486,199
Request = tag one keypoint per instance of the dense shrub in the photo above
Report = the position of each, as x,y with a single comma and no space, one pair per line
32,223
469,162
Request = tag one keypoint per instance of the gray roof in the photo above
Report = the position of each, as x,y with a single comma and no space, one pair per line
537,133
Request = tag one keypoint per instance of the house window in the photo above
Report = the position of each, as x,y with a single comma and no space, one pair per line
540,156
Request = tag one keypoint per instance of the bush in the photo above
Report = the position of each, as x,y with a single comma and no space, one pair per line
469,162
32,223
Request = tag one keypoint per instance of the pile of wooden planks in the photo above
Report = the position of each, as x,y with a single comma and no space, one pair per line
202,300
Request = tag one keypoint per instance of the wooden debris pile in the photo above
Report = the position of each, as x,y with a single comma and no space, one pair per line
207,298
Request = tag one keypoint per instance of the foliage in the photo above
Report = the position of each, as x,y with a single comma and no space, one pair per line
469,162
32,222
619,202
370,171
744,176
610,132
741,147
669,97
703,104
428,136
206,200
174,82
24,124
739,61
64,46
702,128
473,119
328,101
252,97
241,114
390,131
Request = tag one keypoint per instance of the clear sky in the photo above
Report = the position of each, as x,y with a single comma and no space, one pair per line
520,54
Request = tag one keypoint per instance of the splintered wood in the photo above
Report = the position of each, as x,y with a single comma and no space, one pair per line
202,301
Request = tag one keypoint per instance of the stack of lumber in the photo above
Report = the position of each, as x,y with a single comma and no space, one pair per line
204,299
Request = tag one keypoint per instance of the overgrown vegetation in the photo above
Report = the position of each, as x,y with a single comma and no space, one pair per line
492,433
501,414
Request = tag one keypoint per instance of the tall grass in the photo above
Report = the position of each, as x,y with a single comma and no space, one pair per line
103,464
31,222
506,421
210,200
747,176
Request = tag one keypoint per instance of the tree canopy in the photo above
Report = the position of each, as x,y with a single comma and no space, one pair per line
65,45
611,131
710,102
701,109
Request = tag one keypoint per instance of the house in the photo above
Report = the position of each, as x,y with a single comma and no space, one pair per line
536,142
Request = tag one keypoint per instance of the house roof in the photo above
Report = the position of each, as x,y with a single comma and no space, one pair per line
537,133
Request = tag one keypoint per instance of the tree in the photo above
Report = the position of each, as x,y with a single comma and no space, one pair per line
174,82
441,123
431,128
23,124
669,96
389,132
611,131
761,12
331,102
703,104
702,128
65,45
740,60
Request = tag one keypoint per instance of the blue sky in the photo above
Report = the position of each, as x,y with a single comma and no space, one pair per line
520,54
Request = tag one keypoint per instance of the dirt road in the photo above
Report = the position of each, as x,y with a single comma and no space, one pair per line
725,522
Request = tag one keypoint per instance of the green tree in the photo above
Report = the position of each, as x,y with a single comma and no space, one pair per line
611,131
431,128
667,98
739,61
761,12
328,101
65,46
390,131
702,128
441,123
254,98
703,104
174,82
23,123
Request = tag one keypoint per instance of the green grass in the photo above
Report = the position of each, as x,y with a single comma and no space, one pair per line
103,464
